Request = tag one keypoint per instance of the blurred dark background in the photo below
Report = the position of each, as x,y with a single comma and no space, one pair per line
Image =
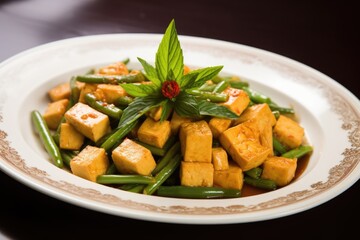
320,34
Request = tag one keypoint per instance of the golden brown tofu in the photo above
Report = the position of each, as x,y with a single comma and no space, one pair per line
238,100
70,138
155,113
61,91
219,125
196,174
88,121
196,141
154,133
220,159
90,163
54,112
118,68
279,169
243,145
265,119
288,132
232,178
87,88
260,112
132,158
176,122
109,93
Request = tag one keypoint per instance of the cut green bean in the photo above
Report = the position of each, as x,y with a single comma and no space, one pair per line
67,156
213,97
154,150
207,87
111,79
164,174
108,109
197,192
111,169
167,158
276,114
124,101
126,61
282,110
256,97
220,87
260,183
278,146
108,141
254,172
46,138
74,91
298,152
135,188
124,179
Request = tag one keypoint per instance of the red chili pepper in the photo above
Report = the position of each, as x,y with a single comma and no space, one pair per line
170,89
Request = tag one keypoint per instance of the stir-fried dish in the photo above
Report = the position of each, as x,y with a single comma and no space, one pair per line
170,130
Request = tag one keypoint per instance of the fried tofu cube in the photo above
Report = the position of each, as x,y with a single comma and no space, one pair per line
242,142
220,159
132,158
155,113
279,169
61,91
154,133
109,93
238,100
70,138
196,174
260,112
88,121
54,112
231,178
196,141
118,68
87,88
288,132
176,122
219,125
90,163
265,119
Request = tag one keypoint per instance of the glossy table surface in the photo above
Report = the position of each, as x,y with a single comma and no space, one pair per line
320,34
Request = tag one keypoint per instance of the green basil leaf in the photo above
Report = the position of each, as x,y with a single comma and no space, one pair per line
188,79
203,75
139,107
167,107
150,72
169,55
186,105
215,110
139,90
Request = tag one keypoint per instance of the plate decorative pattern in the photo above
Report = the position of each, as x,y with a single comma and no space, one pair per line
346,112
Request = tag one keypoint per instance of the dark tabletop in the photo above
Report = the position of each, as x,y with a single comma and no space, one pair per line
320,34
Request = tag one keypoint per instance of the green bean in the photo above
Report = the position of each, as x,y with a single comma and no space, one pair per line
238,84
135,188
167,158
213,97
126,61
154,150
124,179
46,138
124,101
67,156
220,87
282,110
260,183
256,97
254,172
111,79
207,87
276,114
111,169
75,91
108,109
234,82
108,141
278,146
197,192
164,174
298,152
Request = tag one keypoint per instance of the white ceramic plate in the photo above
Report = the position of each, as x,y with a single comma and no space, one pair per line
329,113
